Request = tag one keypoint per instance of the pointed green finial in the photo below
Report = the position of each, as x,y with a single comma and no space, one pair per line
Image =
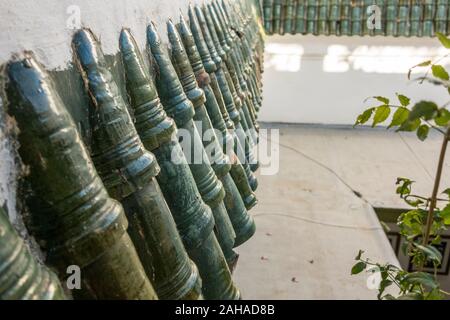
213,112
230,64
115,142
193,52
21,276
169,87
151,222
219,162
72,216
212,30
183,67
181,185
200,19
228,38
209,13
200,42
211,69
215,25
151,120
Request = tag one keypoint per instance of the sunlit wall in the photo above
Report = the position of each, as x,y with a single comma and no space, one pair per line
312,79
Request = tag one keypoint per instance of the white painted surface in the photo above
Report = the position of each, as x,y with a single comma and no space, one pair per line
8,169
46,26
325,80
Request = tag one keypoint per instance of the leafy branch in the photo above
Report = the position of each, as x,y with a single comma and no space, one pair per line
411,285
422,226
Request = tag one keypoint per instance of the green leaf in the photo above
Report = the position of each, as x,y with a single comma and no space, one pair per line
411,224
364,117
422,64
381,114
421,278
404,187
439,72
383,285
414,203
423,109
360,252
422,132
445,214
409,125
437,240
410,296
443,117
359,267
400,116
404,100
430,252
443,39
382,99
435,294
447,192
436,256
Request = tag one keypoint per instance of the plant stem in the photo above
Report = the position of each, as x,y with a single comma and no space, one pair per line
433,199
434,127
424,198
444,292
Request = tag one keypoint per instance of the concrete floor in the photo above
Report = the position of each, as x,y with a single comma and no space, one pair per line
310,223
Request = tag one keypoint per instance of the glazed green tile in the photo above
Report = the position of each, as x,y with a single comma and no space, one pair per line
403,21
441,16
416,18
323,16
357,17
429,11
346,11
277,8
312,15
268,16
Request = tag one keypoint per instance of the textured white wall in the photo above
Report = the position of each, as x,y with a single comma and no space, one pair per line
304,84
45,26
8,169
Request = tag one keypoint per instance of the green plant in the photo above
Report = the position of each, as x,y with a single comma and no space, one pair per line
429,217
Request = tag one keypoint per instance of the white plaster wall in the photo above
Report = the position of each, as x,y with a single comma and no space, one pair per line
8,169
46,26
297,89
